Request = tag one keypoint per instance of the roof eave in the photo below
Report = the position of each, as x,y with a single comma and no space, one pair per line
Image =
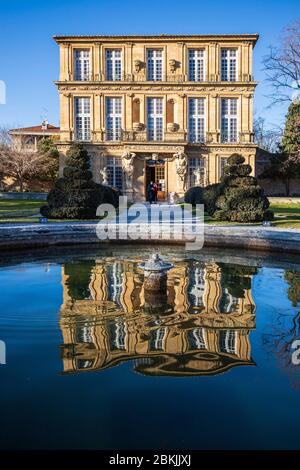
165,37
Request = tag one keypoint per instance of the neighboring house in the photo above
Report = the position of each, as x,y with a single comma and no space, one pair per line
168,108
29,137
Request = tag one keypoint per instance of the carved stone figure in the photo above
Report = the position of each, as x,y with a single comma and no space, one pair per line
172,64
138,64
181,167
104,175
127,165
198,173
181,164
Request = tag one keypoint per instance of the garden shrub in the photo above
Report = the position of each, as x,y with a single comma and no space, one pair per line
241,199
210,196
235,159
204,195
194,195
76,195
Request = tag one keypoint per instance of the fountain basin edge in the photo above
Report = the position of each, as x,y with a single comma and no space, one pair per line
245,237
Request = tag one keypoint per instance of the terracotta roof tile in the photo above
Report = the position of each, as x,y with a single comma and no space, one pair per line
34,129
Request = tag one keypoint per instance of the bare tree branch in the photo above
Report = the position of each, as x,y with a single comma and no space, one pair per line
18,162
282,66
267,139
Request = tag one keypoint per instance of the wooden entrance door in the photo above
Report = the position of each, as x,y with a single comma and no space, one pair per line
156,173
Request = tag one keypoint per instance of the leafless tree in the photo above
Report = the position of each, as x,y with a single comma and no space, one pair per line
282,66
5,138
265,138
18,161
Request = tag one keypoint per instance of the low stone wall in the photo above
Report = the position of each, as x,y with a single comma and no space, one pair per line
77,233
24,196
284,200
277,187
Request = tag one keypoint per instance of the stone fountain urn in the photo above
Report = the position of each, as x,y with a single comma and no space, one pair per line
155,285
155,273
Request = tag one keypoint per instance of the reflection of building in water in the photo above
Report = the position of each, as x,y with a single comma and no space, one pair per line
104,323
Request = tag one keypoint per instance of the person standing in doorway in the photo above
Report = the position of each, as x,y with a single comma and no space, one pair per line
155,189
150,192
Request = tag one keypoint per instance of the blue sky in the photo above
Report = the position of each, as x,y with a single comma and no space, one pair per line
30,60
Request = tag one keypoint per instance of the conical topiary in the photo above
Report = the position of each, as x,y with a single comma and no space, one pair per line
241,198
76,195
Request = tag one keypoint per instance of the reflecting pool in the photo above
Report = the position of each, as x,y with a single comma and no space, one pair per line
90,359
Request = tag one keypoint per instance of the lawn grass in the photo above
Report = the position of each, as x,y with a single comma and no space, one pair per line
287,215
10,208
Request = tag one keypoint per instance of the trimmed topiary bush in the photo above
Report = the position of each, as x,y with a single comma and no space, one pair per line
194,195
241,199
204,195
236,159
211,194
76,195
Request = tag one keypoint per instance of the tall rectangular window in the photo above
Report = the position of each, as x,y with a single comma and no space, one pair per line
196,338
113,118
157,339
82,107
227,341
196,119
223,163
155,118
117,335
114,271
229,120
196,165
113,61
196,288
154,64
229,65
114,172
82,64
196,65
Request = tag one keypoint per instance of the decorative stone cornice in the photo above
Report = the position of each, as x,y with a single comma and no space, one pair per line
163,38
239,87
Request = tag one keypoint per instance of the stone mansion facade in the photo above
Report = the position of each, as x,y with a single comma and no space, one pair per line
166,108
205,329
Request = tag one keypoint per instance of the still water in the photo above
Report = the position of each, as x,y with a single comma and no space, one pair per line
92,361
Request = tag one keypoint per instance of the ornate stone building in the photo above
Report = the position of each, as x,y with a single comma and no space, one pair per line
166,108
204,329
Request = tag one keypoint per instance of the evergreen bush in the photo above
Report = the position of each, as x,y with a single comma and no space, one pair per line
241,199
204,195
76,195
